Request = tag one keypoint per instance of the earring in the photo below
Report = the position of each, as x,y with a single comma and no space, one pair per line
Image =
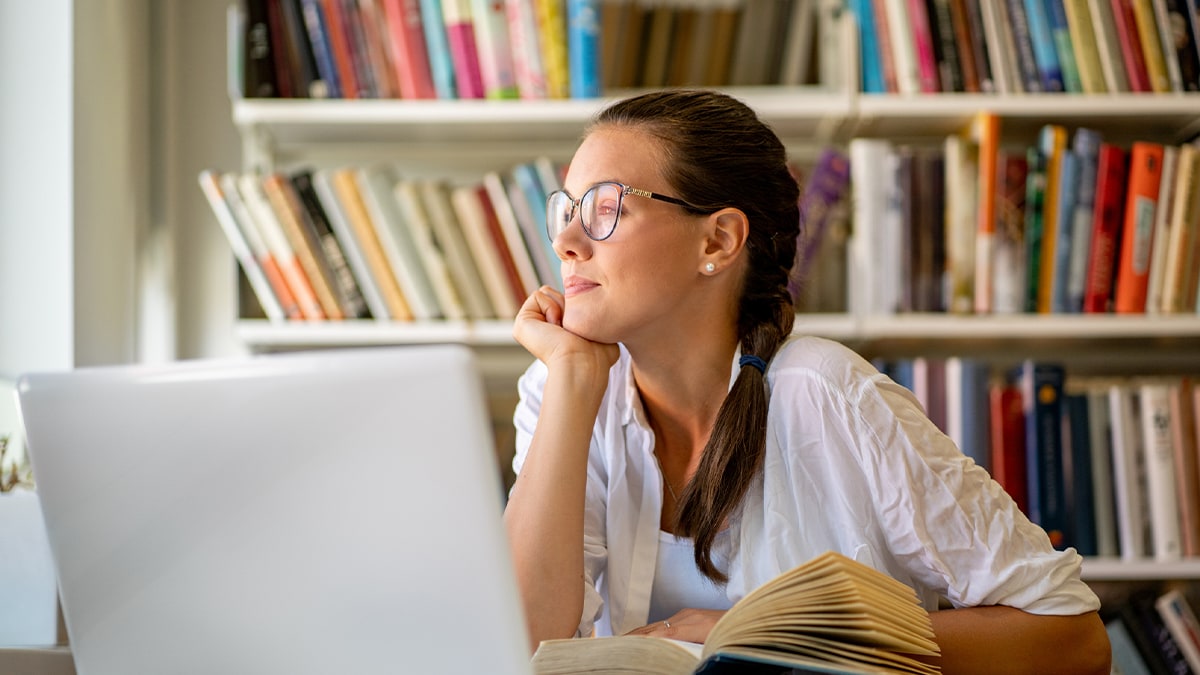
710,267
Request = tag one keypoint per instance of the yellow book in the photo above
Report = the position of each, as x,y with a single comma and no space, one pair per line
828,615
1147,28
1053,144
552,36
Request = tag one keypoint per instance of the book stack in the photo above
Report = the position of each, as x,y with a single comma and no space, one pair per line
1028,46
1071,223
365,243
525,49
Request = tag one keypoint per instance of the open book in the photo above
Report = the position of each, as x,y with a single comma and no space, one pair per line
828,615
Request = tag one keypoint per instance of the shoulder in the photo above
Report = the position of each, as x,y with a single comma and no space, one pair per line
821,367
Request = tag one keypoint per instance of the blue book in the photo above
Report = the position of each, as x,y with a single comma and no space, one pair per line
1068,188
583,48
1044,52
1086,147
318,37
1078,445
437,46
1060,33
1042,393
530,189
968,408
1126,657
868,48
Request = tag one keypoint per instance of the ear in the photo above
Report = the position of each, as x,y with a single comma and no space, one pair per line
728,230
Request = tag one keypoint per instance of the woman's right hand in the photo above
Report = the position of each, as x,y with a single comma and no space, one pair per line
539,329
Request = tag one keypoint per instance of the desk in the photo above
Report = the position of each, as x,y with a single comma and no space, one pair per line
36,661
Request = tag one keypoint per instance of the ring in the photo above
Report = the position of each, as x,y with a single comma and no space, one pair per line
666,624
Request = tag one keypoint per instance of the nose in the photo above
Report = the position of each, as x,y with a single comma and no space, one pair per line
573,242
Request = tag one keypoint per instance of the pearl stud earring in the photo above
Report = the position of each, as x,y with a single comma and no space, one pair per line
710,267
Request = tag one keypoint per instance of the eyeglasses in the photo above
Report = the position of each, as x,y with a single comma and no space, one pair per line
599,209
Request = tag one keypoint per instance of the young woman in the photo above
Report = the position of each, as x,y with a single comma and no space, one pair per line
677,446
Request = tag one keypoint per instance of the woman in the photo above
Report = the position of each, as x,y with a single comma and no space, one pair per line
662,479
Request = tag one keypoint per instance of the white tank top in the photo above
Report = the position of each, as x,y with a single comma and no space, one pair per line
678,584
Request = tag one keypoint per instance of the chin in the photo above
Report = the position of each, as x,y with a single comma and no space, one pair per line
587,326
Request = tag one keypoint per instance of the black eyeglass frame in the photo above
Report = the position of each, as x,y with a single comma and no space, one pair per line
625,190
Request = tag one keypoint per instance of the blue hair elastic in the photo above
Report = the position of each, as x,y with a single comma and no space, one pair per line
752,360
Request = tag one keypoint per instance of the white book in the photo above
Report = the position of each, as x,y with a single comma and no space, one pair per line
429,248
904,50
1166,535
237,235
435,197
961,178
1100,441
1128,473
1166,35
1183,231
1002,50
1161,237
488,260
533,230
498,194
1112,63
396,239
251,191
870,179
340,223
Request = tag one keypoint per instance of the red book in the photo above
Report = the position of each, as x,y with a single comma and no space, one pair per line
918,16
409,56
1008,441
1137,228
1131,45
1107,215
510,266
343,60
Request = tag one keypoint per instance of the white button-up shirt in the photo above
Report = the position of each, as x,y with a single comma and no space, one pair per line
852,465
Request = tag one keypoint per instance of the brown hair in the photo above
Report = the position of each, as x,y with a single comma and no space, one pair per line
719,155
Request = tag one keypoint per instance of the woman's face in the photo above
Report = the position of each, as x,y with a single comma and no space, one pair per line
639,279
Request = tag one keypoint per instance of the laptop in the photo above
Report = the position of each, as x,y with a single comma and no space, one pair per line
319,512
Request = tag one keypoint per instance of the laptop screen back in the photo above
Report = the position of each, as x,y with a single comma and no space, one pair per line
319,512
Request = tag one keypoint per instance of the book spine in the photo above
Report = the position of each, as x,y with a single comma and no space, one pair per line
409,53
1044,54
884,47
344,284
1152,53
464,273
1128,473
464,51
282,51
446,297
335,28
1179,619
366,232
1137,237
271,268
1053,142
1035,194
1080,24
1064,216
1191,16
550,19
1042,391
1131,45
282,199
1107,217
1100,438
1086,148
527,57
318,37
495,51
826,187
289,262
1181,254
1008,249
1008,457
1187,463
437,47
258,79
904,51
922,36
1162,235
1112,63
352,247
583,46
1027,63
969,44
1160,470
1167,36
1080,488
1060,32
360,56
945,51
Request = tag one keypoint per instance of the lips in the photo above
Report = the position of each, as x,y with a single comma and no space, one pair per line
574,285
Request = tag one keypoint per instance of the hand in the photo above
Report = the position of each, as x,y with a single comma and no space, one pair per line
539,329
689,625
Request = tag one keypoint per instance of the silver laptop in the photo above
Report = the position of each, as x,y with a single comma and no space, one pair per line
318,512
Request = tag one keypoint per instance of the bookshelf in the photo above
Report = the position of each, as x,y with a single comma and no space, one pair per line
460,139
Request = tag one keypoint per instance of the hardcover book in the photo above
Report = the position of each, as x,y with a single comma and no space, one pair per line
828,615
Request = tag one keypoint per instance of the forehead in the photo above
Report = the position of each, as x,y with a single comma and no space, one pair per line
617,153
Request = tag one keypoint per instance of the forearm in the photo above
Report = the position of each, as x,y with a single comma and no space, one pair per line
982,640
545,513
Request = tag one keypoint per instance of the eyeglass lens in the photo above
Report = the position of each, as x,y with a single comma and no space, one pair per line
599,209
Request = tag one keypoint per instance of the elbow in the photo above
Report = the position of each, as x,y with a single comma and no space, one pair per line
1091,646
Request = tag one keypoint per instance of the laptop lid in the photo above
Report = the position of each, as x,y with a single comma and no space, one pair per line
316,512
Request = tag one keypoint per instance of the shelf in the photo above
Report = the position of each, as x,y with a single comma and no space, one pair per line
1117,569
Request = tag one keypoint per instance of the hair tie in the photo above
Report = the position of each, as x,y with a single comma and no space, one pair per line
752,360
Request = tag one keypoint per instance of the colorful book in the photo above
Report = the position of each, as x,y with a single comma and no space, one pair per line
551,19
1108,48
1068,188
450,239
1008,257
946,56
488,251
904,49
1045,54
281,196
271,266
1035,195
528,62
251,191
1130,43
501,207
1052,142
252,265
464,52
494,48
920,23
965,43
437,46
409,53
1180,620
318,39
1162,224
583,49
1108,216
1027,62
962,208
427,247
356,256
1083,27
869,53
1152,46
339,44
1060,33
1180,274
1001,48
1168,35
342,279
1137,236
528,203
827,185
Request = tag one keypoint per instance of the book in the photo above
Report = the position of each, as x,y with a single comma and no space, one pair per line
1131,45
1152,47
1167,36
367,233
488,242
1001,48
1155,399
1052,142
501,207
1068,190
870,178
258,68
827,185
1180,620
1042,392
1035,195
962,208
410,56
1008,260
494,48
1187,463
965,41
342,278
946,57
1100,440
459,23
1077,460
1082,26
1060,33
318,39
904,51
281,196
528,65
920,24
1161,227
1129,473
1108,49
1154,638
884,47
1085,147
551,19
339,44
1185,29
283,56
235,233
1126,658
1006,422
968,421
437,47
830,614
429,249
528,204
396,238
355,251
1045,55
1137,234
377,47
1183,232
356,42
1108,214
435,198
583,49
